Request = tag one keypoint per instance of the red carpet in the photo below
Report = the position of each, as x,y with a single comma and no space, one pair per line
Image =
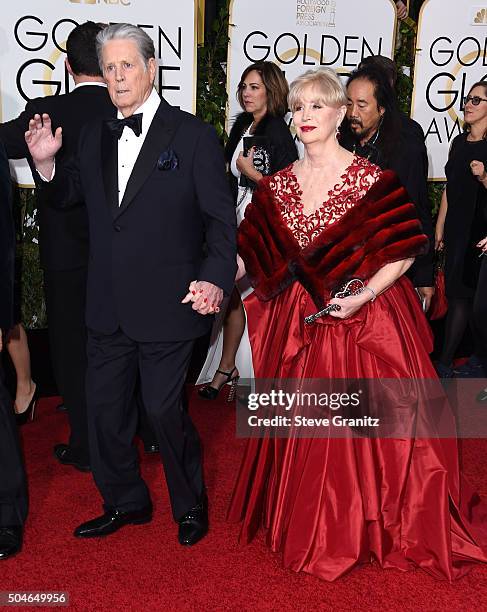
144,568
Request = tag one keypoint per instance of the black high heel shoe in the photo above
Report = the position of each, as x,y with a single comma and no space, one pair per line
28,414
211,393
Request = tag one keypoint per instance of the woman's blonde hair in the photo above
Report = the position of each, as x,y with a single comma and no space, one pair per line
326,83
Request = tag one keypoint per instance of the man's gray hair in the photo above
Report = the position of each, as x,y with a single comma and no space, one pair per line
126,31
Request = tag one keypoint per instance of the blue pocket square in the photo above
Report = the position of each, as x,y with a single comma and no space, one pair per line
168,160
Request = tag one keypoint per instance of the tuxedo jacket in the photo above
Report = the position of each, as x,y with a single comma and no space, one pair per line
145,252
63,234
7,245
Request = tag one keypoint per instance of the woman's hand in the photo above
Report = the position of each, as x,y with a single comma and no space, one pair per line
245,165
482,246
440,222
402,10
349,305
241,272
478,170
439,232
205,297
426,294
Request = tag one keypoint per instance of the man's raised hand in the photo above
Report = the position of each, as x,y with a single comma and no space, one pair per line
43,145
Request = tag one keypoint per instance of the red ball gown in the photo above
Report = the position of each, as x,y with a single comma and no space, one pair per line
330,504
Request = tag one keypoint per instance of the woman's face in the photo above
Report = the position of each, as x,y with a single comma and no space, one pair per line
314,121
254,95
476,113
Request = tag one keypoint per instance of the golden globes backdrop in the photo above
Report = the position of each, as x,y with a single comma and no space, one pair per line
32,49
451,56
301,34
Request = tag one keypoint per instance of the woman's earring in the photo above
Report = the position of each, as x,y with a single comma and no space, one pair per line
337,132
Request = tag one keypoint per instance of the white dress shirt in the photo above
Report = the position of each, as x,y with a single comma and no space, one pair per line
86,83
129,144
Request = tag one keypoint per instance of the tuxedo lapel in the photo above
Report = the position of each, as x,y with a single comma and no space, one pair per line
109,156
158,139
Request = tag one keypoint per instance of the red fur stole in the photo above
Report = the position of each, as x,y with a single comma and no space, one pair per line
381,228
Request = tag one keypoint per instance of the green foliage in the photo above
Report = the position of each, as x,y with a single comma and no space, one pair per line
404,58
435,190
29,277
212,95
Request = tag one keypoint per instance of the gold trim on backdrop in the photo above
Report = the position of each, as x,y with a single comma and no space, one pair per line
394,33
229,59
413,97
195,51
435,179
201,22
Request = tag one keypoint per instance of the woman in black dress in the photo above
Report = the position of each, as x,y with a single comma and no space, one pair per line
461,225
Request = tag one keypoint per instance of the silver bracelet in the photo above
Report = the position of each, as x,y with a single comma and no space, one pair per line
374,294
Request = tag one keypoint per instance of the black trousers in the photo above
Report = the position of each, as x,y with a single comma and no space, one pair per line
13,488
65,293
113,363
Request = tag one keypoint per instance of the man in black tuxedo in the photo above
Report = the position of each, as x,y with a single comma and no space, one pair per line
155,187
13,491
63,234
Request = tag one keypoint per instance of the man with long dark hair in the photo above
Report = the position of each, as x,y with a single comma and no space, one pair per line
374,128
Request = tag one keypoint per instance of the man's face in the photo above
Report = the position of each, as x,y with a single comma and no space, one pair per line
363,112
129,81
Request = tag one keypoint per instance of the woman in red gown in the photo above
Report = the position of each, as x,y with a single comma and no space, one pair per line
329,504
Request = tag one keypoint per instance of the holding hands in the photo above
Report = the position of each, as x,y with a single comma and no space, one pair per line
43,144
483,246
205,296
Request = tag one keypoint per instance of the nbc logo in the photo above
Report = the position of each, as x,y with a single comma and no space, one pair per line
123,2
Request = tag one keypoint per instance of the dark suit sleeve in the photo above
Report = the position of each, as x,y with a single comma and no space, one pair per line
12,133
7,242
218,210
422,273
64,191
412,169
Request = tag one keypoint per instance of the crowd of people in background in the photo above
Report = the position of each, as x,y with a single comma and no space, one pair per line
130,284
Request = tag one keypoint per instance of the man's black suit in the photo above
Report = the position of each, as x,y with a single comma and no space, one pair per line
143,256
63,244
13,492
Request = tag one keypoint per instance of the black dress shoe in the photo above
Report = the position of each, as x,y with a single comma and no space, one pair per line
151,448
193,526
65,455
10,541
112,521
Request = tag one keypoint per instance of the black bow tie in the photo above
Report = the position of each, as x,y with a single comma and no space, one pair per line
134,122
